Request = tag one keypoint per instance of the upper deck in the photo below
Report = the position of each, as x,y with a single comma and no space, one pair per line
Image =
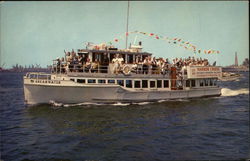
107,61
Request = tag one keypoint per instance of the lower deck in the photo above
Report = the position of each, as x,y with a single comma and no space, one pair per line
67,89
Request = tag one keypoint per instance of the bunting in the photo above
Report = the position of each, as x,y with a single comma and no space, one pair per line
177,41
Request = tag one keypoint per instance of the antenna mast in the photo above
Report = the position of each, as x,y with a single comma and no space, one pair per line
127,26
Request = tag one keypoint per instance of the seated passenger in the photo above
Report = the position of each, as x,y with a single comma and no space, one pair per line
94,66
134,68
87,65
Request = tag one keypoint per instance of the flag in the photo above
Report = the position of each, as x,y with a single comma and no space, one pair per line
116,40
156,37
126,33
151,34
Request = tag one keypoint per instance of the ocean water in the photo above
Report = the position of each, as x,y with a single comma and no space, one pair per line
198,129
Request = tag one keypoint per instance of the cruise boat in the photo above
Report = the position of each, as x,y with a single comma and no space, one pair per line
100,77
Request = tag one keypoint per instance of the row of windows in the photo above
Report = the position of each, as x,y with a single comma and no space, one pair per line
203,82
147,83
45,81
128,83
208,82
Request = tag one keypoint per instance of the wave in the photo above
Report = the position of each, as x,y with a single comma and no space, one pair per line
120,104
57,104
142,103
230,92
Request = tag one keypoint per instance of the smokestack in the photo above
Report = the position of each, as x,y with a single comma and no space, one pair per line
140,43
236,59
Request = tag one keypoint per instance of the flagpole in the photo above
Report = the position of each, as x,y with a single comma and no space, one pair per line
127,26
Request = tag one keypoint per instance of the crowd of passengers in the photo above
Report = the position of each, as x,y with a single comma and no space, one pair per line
153,65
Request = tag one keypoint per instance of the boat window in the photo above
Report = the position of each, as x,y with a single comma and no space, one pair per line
187,83
130,58
193,83
206,82
137,84
144,83
166,83
129,83
211,82
159,83
91,81
111,81
72,80
101,81
201,83
96,56
32,76
152,84
215,82
80,80
120,82
111,57
42,76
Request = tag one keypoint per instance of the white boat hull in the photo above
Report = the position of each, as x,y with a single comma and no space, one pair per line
37,94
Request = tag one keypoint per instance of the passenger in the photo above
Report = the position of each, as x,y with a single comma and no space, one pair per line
63,65
58,64
115,61
145,66
87,65
139,65
134,68
94,66
80,63
154,65
120,59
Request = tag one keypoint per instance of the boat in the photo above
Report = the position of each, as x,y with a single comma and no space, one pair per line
229,76
108,74
107,81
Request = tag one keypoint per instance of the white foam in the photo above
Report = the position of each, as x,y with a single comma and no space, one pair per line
57,104
160,101
142,103
120,104
230,92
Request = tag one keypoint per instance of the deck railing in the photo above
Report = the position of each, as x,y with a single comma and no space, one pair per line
111,69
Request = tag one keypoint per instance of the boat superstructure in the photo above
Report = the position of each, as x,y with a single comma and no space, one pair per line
106,74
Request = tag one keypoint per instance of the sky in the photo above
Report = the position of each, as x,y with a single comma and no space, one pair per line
38,32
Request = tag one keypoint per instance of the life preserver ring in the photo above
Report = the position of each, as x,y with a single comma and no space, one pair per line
126,70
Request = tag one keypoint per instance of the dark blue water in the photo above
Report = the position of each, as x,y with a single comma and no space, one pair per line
211,128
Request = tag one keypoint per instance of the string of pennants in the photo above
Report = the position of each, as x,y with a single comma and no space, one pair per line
177,41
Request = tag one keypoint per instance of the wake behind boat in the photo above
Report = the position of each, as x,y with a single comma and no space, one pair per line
103,73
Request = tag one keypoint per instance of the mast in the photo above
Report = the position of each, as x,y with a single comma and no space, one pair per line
127,26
